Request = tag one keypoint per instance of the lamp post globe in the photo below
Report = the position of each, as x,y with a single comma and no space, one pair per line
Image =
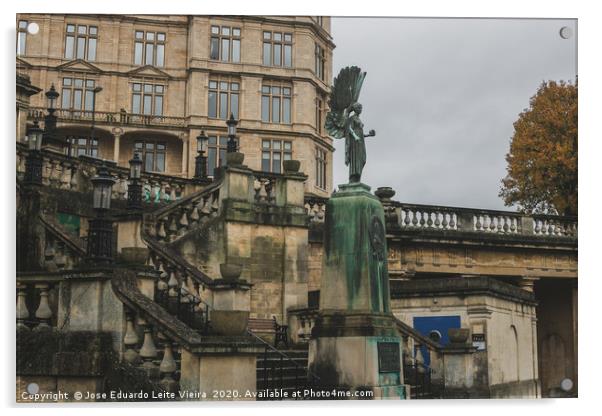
232,123
51,97
102,185
34,136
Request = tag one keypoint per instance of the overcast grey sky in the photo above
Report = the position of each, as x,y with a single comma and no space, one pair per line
442,95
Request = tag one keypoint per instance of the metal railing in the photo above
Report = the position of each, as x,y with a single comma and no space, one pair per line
108,117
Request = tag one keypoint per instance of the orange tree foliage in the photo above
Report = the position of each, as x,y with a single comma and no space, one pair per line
542,162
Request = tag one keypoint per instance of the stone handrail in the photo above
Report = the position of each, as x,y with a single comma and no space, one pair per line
440,218
73,173
409,217
108,117
63,250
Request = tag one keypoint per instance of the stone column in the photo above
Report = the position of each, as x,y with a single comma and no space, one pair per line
117,133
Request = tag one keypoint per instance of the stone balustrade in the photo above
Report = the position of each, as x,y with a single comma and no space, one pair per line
37,301
407,217
168,224
179,291
149,349
315,206
74,173
107,117
300,323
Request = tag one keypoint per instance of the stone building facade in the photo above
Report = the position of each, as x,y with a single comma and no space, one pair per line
166,78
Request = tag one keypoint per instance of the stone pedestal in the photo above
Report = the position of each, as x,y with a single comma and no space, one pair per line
355,344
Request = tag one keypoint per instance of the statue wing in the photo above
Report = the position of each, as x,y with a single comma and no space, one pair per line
344,93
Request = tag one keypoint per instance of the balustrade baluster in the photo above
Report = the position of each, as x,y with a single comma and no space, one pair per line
148,351
452,221
168,367
478,223
43,313
22,310
130,340
161,233
444,222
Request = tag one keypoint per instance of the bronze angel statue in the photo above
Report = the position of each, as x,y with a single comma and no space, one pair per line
343,119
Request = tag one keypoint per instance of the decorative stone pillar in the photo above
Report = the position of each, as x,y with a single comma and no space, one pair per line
231,302
117,133
355,343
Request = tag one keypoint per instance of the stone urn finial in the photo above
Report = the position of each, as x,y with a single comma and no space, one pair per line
234,158
291,166
230,271
384,193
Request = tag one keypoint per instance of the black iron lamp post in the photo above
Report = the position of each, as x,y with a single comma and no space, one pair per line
200,162
94,92
135,185
34,161
50,119
100,234
231,123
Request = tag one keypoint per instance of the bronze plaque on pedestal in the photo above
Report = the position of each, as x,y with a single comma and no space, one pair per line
388,357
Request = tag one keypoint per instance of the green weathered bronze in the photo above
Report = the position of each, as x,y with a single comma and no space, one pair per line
343,119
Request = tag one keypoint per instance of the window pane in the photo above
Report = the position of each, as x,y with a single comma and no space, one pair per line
211,160
89,83
277,54
137,87
212,140
212,104
93,30
234,86
265,161
81,30
234,105
147,110
78,82
71,28
223,105
77,99
236,50
158,105
148,88
222,156
223,141
225,31
66,98
276,144
286,91
138,53
288,37
136,104
148,60
267,35
160,55
139,35
214,48
223,86
159,89
276,110
160,146
89,101
278,37
215,30
265,108
91,49
276,90
66,81
225,49
265,144
81,47
276,163
213,84
69,43
267,54
150,35
287,156
286,110
148,162
235,31
21,39
160,167
287,145
161,37
265,89
288,55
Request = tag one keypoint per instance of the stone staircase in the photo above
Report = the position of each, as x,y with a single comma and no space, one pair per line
282,371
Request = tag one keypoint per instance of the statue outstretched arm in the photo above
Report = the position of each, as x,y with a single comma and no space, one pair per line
370,133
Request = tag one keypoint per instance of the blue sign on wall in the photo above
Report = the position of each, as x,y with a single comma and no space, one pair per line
437,326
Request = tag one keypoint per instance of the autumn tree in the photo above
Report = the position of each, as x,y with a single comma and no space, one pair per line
542,162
